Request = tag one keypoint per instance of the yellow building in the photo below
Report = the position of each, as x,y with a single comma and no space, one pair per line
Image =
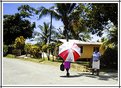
87,48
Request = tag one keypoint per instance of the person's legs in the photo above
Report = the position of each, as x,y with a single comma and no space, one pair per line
98,67
92,71
67,74
97,72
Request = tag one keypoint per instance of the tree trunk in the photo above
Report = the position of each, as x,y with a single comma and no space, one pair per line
42,55
67,36
48,54
50,27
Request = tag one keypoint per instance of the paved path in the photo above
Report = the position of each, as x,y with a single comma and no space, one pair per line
18,72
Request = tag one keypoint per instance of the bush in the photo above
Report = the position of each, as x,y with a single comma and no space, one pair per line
10,49
19,44
5,50
16,52
27,48
34,50
110,58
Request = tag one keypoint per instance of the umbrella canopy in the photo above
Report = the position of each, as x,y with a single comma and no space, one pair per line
69,51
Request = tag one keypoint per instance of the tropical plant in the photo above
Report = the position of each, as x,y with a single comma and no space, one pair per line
67,12
44,35
26,10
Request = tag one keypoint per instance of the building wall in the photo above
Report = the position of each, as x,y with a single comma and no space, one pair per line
88,50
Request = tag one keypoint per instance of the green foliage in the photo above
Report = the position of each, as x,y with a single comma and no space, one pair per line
44,35
27,48
99,15
19,42
45,47
15,26
5,50
16,52
33,50
26,10
92,17
63,11
110,58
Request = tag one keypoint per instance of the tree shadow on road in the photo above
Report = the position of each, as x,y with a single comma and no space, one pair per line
102,76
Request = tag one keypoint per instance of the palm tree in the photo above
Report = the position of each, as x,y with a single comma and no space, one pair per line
44,35
67,12
26,10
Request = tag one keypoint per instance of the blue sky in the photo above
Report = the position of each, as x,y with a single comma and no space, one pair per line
11,8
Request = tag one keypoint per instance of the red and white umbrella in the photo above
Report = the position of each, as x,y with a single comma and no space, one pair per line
69,51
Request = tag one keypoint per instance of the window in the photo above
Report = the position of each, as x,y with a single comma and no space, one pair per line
95,48
81,47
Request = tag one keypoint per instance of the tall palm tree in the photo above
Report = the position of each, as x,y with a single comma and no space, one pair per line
26,10
67,12
44,35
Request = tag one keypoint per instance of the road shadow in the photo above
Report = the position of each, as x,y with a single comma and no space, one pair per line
72,76
104,77
113,76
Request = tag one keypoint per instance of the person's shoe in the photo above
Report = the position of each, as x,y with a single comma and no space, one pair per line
67,74
97,74
92,73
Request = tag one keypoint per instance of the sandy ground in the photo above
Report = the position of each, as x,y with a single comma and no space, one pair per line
18,72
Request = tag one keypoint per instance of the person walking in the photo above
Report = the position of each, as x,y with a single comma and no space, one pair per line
67,67
96,62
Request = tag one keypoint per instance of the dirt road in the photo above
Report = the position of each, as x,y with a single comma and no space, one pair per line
19,72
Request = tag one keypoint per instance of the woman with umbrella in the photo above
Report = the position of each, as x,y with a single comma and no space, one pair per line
70,52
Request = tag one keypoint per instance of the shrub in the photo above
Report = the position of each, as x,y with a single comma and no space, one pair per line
34,50
19,44
16,52
110,58
27,48
5,50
